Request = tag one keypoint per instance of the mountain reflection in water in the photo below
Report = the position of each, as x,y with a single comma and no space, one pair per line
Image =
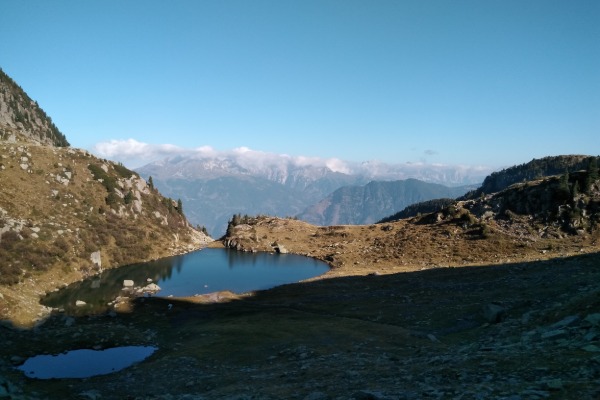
200,272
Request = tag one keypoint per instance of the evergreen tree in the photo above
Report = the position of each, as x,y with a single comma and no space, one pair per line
180,206
235,220
591,176
150,183
128,197
593,169
575,190
563,192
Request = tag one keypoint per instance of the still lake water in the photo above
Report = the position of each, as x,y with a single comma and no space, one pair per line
84,363
200,272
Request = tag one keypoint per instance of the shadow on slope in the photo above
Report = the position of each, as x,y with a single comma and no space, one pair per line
283,339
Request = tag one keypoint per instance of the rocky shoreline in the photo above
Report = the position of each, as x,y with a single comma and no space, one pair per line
526,330
25,309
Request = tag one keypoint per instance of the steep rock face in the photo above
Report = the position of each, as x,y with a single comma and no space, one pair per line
369,203
19,114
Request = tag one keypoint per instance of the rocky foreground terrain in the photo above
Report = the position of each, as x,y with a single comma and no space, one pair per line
430,307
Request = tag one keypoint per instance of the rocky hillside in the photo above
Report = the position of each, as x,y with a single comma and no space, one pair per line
529,172
20,114
552,216
435,307
373,201
422,207
532,170
65,215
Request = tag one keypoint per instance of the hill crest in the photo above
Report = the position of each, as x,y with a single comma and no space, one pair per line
66,215
21,118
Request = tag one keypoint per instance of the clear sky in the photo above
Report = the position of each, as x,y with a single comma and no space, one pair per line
456,82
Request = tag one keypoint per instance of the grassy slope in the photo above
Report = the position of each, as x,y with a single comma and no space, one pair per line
51,228
399,316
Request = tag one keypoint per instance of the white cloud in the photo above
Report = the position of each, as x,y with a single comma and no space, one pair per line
135,154
337,165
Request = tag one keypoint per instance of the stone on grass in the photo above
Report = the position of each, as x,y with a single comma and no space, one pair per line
493,313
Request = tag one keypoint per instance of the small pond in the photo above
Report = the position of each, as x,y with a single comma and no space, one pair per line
84,363
200,272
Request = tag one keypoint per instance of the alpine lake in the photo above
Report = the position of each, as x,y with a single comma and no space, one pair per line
197,273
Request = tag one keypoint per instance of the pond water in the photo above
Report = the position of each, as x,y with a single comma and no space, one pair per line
200,272
84,363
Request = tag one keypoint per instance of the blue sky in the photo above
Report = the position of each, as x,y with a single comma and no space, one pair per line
490,83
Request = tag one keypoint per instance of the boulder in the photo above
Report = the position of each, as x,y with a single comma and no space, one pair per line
565,322
493,313
96,259
593,319
281,249
153,287
80,303
127,283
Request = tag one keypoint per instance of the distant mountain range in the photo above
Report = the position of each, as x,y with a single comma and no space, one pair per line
369,203
498,181
214,186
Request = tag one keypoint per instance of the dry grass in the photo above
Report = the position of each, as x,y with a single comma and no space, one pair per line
407,245
59,225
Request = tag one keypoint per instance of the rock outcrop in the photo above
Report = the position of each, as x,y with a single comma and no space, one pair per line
66,215
20,115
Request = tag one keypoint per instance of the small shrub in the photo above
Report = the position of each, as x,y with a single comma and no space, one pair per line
486,232
62,244
9,239
123,171
128,197
98,173
112,199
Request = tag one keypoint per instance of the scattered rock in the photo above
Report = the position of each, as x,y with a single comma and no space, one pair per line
554,384
80,303
368,395
281,249
316,396
593,319
433,338
91,395
16,360
592,348
557,334
493,313
127,283
151,288
96,259
565,322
